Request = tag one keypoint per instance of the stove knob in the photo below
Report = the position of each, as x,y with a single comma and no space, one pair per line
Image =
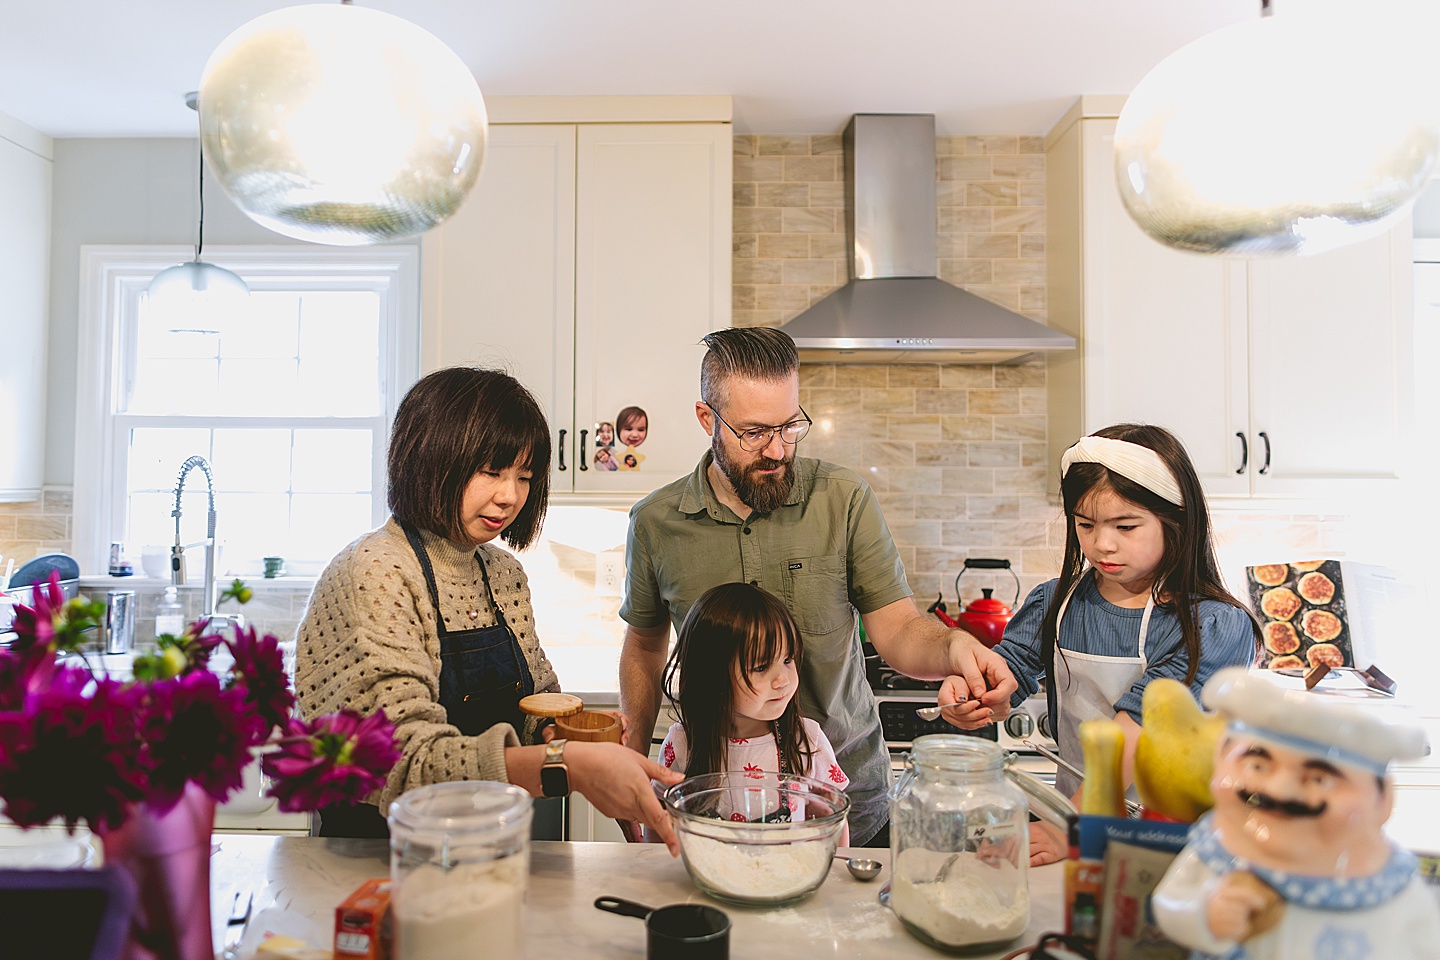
1019,725
1045,730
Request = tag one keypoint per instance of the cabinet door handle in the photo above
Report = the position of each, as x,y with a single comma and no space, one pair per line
583,451
1244,452
562,451
1266,437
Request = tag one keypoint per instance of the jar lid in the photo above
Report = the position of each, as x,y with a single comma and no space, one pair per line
551,704
463,806
956,752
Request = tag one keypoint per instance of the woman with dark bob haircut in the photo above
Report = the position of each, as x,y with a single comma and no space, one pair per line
429,620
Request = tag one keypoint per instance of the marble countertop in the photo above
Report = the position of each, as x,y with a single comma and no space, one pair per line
298,882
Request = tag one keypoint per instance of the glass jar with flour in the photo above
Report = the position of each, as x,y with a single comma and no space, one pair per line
459,867
960,844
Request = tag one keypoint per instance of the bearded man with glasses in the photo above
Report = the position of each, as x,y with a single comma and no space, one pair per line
809,532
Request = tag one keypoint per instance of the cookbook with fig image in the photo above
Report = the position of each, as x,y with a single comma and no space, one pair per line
1301,606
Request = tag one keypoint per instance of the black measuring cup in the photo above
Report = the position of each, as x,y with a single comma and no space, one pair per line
681,931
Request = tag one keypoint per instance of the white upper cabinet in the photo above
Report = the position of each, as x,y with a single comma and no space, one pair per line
589,262
26,171
1283,378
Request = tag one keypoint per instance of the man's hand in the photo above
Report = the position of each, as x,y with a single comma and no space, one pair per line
980,685
1241,906
977,681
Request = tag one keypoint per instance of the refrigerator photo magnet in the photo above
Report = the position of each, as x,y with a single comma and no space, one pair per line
605,446
632,426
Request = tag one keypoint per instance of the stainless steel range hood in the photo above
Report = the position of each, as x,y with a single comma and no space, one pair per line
894,309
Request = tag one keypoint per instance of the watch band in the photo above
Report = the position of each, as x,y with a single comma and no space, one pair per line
554,775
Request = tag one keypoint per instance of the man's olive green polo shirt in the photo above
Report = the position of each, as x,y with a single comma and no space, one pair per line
826,553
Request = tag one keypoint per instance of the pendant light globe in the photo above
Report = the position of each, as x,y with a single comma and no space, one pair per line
1282,135
195,287
341,125
196,279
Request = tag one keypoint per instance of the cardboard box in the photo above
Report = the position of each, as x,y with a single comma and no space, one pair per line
362,923
1090,836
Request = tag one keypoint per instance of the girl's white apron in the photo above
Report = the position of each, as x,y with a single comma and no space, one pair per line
1087,687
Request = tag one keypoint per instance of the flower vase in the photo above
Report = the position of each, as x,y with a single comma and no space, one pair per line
168,856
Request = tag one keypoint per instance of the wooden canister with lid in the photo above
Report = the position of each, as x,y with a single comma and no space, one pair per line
572,720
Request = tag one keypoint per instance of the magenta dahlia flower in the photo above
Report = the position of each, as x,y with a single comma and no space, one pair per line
192,729
338,758
260,671
55,623
72,754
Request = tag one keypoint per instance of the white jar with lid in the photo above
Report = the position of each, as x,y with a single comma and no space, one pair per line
459,869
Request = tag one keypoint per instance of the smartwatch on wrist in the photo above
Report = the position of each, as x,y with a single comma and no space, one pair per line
554,775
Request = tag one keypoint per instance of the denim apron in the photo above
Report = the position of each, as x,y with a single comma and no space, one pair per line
483,676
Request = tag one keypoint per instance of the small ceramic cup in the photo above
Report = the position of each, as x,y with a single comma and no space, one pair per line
274,567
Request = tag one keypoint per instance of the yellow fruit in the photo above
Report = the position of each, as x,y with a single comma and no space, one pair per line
1175,755
1103,743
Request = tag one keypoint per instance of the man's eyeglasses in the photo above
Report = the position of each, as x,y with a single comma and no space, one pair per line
758,438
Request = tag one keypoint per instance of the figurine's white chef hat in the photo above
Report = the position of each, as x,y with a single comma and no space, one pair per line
1369,737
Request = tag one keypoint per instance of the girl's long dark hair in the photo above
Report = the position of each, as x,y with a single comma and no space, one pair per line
730,630
1188,571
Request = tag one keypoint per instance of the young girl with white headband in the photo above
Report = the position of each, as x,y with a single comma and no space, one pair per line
1139,596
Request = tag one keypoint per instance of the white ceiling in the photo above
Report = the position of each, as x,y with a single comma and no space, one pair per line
119,68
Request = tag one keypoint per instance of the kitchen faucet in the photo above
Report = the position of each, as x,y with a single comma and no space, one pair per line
218,621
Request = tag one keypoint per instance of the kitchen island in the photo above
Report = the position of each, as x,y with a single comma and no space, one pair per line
298,881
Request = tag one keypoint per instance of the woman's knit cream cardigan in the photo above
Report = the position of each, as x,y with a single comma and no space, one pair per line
368,641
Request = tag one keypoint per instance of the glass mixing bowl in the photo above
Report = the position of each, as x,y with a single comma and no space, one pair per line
738,848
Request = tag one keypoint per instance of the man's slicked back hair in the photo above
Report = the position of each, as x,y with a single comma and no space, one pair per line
752,353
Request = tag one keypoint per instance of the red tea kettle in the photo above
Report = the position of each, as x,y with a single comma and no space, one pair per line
986,617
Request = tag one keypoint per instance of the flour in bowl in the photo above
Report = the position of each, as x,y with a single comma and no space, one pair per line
976,902
759,871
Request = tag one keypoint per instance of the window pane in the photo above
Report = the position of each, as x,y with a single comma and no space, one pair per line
149,519
323,523
258,387
157,337
332,461
339,353
252,525
266,334
165,387
252,461
156,455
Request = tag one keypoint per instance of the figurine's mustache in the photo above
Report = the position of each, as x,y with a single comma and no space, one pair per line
1291,808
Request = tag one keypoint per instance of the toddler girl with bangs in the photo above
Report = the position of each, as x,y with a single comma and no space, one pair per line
732,679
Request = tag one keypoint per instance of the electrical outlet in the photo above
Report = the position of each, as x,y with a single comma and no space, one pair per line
609,573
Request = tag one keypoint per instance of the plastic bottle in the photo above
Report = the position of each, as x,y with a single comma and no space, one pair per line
170,614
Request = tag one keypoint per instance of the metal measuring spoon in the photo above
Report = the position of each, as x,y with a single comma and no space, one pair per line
933,713
861,868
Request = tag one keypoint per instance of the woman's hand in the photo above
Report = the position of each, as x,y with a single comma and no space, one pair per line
1047,844
616,780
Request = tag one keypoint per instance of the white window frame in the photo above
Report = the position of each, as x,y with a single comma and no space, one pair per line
114,277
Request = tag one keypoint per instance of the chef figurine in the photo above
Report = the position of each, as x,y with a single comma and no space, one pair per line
1293,862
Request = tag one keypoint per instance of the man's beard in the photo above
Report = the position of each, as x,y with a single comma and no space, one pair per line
763,494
